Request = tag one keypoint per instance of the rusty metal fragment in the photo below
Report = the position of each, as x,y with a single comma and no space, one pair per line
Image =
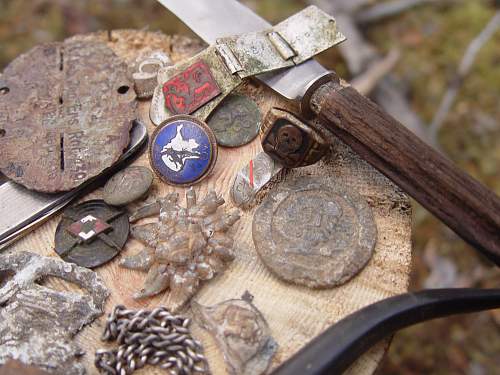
242,334
37,323
187,245
312,232
66,110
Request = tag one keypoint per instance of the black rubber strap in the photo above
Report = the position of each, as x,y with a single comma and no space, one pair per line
340,345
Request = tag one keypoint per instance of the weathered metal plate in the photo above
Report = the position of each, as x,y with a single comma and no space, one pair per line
37,323
91,233
236,121
242,334
66,110
312,233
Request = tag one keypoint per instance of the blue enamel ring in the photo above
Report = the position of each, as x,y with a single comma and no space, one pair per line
183,150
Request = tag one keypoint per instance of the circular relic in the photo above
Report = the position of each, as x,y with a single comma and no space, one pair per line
311,233
236,121
66,110
183,150
91,233
127,185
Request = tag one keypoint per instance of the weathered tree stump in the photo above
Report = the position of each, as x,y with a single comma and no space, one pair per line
295,314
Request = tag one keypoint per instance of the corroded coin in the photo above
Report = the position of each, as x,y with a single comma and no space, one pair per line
183,150
66,110
236,121
91,233
312,233
127,185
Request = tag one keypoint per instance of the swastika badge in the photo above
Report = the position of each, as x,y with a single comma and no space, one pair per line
190,89
91,233
183,150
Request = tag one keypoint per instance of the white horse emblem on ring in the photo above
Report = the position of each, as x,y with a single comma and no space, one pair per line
178,150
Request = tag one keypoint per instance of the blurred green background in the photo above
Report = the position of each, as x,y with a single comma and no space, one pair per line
432,40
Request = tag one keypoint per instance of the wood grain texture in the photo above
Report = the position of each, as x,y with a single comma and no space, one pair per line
460,201
295,314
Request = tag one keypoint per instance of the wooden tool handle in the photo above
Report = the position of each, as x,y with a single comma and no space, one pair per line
461,202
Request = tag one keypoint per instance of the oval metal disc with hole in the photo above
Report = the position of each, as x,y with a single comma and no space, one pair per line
66,110
312,233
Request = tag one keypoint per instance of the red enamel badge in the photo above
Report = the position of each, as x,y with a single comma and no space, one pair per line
88,227
190,89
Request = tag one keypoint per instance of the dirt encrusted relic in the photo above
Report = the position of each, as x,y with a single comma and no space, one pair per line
236,121
66,110
37,323
128,185
242,334
313,232
185,247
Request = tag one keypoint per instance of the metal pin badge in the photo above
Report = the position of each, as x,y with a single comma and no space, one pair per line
91,233
236,121
183,150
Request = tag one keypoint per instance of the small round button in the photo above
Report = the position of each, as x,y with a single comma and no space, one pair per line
183,150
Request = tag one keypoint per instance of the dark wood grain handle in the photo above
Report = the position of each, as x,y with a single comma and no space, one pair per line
461,202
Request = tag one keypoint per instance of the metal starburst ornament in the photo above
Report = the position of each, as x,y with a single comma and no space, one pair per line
186,246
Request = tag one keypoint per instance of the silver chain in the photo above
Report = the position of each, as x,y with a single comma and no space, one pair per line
150,337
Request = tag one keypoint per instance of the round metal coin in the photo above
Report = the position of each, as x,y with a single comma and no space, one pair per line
312,233
91,233
183,150
236,121
127,185
66,110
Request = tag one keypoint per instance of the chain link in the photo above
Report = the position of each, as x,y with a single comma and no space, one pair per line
150,337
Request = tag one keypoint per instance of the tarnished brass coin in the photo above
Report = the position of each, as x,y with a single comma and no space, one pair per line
127,185
311,233
236,121
66,110
91,233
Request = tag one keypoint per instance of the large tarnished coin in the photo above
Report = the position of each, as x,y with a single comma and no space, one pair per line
236,121
127,185
91,233
183,150
66,110
311,233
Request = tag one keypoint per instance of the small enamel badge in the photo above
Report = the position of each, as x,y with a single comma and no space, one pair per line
189,90
183,150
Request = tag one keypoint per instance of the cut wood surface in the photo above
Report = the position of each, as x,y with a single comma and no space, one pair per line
295,314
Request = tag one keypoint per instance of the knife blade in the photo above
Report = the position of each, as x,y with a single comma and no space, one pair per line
21,210
215,19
